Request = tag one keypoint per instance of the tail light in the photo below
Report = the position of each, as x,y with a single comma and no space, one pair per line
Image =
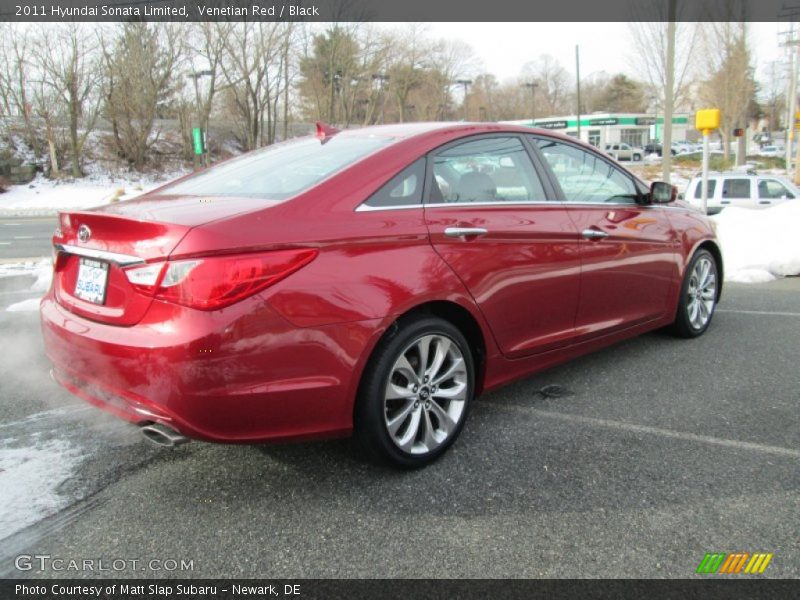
217,282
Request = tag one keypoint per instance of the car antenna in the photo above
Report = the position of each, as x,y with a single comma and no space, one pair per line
325,131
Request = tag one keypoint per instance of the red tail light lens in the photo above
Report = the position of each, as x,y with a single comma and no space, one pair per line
217,282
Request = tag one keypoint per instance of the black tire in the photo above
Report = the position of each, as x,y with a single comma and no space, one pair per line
684,326
372,411
637,157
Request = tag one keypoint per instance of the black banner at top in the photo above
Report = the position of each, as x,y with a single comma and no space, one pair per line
396,11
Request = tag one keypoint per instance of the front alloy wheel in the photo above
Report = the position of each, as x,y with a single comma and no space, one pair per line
698,296
415,393
702,292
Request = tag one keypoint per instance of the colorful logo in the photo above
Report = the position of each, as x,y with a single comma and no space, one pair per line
735,562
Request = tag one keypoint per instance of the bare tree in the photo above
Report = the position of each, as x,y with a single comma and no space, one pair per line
253,67
142,67
553,85
69,62
15,45
649,53
731,86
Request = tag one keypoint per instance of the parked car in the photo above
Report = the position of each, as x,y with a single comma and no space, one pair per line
744,190
658,149
777,151
624,152
374,280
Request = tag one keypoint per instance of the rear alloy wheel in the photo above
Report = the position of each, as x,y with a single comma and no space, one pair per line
698,296
416,393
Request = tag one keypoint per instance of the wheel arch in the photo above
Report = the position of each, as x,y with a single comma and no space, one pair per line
454,313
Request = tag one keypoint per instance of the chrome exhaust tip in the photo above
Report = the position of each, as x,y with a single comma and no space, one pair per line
162,436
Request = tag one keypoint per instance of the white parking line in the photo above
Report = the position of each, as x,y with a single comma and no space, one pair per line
23,237
632,427
5,243
759,312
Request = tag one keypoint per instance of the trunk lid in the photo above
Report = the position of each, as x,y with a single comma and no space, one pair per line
124,236
113,244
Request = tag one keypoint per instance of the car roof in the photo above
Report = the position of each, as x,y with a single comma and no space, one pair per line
740,175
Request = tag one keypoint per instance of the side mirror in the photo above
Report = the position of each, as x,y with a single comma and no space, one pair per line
662,192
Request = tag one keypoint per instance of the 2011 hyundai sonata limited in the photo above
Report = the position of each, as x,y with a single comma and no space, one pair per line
371,281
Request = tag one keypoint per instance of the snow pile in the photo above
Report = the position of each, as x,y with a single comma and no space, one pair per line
760,245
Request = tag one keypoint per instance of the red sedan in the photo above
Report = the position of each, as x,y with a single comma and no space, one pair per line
371,281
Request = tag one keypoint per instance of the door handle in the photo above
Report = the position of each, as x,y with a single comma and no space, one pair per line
456,232
593,234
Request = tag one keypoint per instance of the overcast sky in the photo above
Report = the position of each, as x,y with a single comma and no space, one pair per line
504,48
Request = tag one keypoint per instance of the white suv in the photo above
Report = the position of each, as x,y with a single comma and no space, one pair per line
745,190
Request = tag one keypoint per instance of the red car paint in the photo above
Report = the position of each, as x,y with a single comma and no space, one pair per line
285,362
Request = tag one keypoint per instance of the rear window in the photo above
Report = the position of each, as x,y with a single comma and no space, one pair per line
282,170
698,191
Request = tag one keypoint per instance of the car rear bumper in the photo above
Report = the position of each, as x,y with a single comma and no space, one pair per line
242,374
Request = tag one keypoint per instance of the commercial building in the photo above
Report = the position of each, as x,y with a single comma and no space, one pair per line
599,129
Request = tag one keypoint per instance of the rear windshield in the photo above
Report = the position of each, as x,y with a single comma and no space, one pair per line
282,170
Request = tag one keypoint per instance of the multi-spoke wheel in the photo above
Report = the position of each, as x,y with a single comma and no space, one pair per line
416,392
698,296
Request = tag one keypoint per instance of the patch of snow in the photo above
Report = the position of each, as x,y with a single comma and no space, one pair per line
29,480
31,304
46,197
759,245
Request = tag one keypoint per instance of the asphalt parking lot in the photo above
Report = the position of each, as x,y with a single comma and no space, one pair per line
661,450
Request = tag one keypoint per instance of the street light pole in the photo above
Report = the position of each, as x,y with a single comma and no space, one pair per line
532,85
466,83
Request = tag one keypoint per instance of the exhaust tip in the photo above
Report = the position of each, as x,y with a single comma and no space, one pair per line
163,436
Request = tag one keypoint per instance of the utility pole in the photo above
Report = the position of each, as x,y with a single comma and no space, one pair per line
532,86
466,83
792,99
669,94
578,86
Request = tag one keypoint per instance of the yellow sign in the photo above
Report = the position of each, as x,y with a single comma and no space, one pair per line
707,119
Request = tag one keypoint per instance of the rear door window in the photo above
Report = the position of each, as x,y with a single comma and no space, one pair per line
736,188
490,169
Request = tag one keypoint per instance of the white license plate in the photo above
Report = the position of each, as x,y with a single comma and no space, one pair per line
92,280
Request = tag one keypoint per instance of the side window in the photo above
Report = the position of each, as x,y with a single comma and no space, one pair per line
404,189
769,188
698,191
585,177
736,188
492,169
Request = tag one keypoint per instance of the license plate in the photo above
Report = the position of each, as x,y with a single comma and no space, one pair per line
92,280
